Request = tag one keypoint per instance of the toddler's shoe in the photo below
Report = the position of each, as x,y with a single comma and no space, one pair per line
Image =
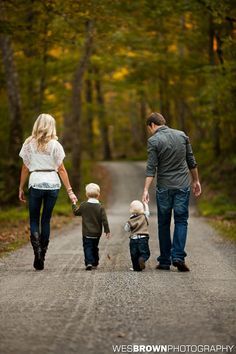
89,267
141,262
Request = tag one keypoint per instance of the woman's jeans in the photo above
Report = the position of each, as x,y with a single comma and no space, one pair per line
37,198
178,201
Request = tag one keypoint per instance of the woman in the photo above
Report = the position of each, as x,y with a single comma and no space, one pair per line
42,158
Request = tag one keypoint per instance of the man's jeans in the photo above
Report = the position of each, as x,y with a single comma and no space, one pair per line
178,201
37,197
91,250
139,248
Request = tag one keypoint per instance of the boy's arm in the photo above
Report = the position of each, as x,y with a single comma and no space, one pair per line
146,210
76,210
105,222
127,227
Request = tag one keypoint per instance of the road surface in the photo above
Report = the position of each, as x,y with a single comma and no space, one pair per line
65,309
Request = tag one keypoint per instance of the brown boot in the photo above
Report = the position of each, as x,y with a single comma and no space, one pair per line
182,267
35,241
44,246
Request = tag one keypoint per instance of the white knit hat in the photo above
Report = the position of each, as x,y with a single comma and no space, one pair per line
136,207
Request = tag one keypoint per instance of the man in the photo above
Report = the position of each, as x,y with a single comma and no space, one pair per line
170,156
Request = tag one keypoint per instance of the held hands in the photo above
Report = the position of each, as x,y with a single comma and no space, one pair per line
22,195
108,235
72,196
145,197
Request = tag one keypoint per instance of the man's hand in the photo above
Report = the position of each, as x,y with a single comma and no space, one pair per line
22,195
145,197
108,235
196,187
148,182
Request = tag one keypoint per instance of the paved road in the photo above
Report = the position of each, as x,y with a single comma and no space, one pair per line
65,309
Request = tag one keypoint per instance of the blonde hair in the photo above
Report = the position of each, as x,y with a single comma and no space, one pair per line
136,207
44,130
92,190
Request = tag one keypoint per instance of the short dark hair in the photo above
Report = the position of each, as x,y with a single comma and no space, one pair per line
156,118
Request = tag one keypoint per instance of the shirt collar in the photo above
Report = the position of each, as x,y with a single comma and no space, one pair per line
134,215
93,200
163,127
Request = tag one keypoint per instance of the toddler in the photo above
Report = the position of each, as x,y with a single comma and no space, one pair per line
137,225
94,219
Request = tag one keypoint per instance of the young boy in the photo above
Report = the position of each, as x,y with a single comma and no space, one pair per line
93,220
137,225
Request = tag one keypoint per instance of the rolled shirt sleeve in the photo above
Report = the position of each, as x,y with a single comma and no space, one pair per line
76,210
191,161
152,160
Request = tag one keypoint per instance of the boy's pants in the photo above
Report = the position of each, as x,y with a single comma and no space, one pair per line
139,248
91,250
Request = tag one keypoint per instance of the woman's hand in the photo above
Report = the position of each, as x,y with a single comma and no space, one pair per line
72,196
23,177
22,195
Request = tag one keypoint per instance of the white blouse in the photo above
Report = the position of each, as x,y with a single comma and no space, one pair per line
49,159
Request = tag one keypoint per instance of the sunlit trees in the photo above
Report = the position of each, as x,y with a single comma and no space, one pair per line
101,66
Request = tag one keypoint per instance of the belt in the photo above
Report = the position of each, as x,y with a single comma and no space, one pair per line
136,237
43,171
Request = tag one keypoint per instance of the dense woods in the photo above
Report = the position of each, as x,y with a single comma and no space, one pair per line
99,67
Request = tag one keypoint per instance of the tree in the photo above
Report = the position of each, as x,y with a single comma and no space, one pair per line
15,124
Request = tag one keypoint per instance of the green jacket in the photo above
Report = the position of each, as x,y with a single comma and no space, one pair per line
94,218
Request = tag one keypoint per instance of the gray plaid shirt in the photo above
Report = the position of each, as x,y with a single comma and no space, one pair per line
170,155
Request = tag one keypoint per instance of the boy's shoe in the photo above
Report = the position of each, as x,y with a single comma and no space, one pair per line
182,267
141,262
89,267
132,269
163,267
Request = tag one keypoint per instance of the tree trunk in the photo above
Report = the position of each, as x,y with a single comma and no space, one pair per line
102,118
35,93
77,86
15,126
164,98
143,117
164,80
89,99
216,122
42,84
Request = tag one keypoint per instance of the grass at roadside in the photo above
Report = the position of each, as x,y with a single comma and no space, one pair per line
221,213
218,200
